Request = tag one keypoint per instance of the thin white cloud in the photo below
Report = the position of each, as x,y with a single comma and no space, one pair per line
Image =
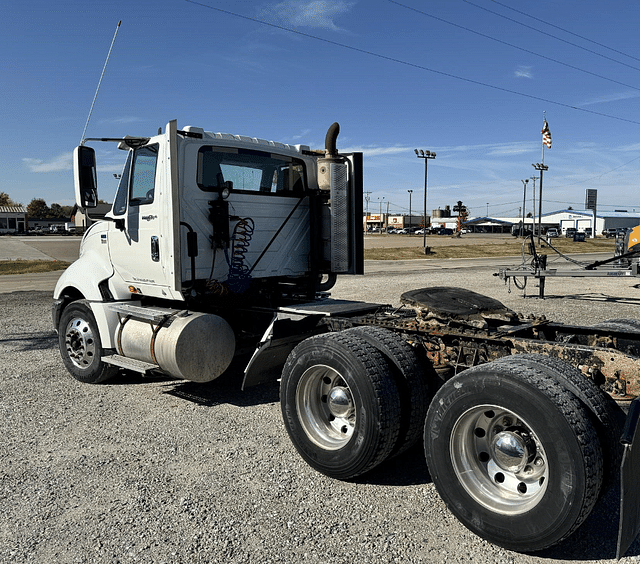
523,71
303,135
317,14
377,151
120,120
486,150
611,98
57,164
64,162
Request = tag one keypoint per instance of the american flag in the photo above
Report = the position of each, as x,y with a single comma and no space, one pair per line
546,134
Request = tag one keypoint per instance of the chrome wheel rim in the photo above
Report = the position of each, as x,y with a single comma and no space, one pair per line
325,407
80,343
499,459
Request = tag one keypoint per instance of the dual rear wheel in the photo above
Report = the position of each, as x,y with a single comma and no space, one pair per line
352,399
514,453
514,447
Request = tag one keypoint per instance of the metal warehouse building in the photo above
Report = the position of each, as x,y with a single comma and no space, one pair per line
581,220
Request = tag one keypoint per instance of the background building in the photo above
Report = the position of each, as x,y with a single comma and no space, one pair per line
79,216
581,220
13,219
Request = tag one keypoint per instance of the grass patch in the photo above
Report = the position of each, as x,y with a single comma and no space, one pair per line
31,266
506,248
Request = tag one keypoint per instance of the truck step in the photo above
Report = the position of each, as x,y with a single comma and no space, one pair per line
155,315
130,363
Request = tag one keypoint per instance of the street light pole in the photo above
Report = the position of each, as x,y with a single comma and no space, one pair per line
524,203
410,192
540,167
426,155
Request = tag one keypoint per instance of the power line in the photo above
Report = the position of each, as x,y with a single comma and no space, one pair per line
412,65
569,32
598,176
558,62
579,205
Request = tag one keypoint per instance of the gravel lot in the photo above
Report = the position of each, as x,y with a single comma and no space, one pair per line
153,470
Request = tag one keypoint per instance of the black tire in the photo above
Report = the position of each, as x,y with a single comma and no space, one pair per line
80,345
514,455
340,404
410,378
606,416
626,324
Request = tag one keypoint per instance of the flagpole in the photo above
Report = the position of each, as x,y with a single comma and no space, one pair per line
541,167
544,120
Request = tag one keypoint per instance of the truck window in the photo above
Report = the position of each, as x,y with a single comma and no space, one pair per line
120,201
143,175
249,171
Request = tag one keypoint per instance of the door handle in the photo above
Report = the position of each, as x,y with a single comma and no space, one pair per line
155,249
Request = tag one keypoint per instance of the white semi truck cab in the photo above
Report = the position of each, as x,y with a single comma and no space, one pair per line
221,246
211,233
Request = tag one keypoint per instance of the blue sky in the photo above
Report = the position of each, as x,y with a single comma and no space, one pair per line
468,79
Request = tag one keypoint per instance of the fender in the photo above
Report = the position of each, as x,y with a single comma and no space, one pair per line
93,267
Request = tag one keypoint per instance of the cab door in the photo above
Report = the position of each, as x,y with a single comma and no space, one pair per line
140,251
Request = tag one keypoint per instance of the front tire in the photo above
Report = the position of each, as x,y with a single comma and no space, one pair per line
80,345
340,404
514,455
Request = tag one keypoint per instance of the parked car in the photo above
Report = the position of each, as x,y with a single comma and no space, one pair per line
445,231
419,232
611,232
552,232
570,232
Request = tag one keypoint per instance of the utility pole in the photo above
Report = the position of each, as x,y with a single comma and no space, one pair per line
366,199
533,216
524,203
462,211
410,192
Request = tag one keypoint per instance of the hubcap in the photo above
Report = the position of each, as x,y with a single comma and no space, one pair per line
325,407
509,451
499,460
339,402
80,343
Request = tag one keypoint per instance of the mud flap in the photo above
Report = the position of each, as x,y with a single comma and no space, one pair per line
272,351
629,484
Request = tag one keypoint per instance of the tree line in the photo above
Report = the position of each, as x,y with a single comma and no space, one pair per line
38,208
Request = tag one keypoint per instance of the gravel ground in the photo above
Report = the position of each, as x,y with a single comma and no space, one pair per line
154,470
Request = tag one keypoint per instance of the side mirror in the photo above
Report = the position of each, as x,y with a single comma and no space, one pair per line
85,177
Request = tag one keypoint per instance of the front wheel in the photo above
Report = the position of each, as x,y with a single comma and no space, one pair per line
514,455
80,345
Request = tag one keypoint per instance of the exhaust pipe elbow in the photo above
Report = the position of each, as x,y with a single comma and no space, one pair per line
330,147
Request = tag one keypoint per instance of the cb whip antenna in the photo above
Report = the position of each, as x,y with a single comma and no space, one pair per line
100,81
